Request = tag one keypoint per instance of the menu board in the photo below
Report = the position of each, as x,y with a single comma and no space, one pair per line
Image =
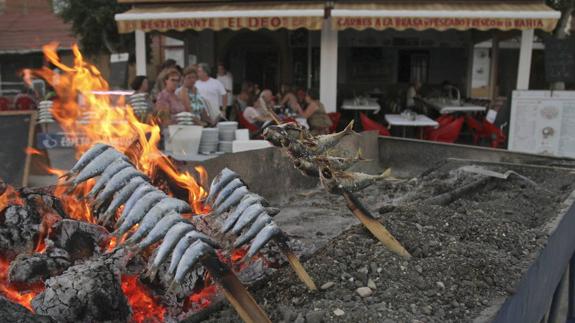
543,122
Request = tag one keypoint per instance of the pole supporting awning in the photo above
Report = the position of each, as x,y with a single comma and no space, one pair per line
444,15
252,16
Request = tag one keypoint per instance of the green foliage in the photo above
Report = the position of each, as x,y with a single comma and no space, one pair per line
93,22
560,4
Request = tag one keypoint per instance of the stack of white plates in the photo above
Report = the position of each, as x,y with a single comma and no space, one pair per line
227,130
88,117
226,146
209,141
185,118
139,103
45,112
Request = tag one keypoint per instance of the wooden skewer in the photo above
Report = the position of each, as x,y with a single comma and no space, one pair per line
376,228
296,264
234,291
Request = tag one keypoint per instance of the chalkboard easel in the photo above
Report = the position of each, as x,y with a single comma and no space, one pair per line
16,133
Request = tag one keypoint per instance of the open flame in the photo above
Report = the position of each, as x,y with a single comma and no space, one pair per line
88,117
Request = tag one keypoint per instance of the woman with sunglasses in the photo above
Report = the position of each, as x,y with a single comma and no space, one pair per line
167,103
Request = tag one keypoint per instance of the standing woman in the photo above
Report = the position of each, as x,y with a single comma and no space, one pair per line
167,103
193,102
317,119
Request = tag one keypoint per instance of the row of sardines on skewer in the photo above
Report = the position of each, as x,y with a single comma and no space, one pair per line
150,216
315,156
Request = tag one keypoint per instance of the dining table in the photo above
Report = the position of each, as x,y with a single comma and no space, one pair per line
360,104
400,120
446,106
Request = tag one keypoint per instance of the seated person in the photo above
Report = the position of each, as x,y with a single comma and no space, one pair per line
288,99
259,113
317,119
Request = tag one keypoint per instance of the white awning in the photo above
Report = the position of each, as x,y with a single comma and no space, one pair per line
251,16
443,15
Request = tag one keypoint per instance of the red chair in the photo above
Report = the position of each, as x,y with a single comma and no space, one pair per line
334,116
24,103
495,134
477,129
369,124
447,133
445,119
4,103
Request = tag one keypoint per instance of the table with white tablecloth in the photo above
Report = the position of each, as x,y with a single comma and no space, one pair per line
400,120
356,105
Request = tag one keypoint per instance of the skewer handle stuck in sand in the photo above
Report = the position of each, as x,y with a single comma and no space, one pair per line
234,291
376,228
296,264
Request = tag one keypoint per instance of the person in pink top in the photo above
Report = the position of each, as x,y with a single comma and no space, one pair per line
167,103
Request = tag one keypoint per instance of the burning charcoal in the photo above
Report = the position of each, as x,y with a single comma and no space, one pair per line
88,292
17,239
26,269
80,239
11,312
20,215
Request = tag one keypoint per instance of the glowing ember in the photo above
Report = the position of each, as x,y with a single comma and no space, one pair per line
48,220
201,299
12,294
10,197
144,307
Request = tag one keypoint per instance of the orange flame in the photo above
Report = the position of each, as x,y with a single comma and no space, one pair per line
48,220
10,197
24,298
89,118
33,151
144,307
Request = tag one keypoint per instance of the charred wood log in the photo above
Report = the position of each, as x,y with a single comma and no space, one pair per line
80,239
15,240
29,269
89,292
11,312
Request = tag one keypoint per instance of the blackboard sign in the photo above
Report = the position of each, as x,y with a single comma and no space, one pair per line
118,71
16,133
560,60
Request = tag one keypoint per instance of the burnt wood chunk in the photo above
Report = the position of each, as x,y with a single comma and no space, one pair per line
27,269
12,312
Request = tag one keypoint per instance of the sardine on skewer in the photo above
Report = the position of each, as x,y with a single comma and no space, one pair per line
181,248
190,258
335,181
173,236
160,230
119,180
247,217
227,191
262,220
268,232
246,201
139,211
134,198
120,198
86,158
108,173
231,201
219,182
155,214
96,167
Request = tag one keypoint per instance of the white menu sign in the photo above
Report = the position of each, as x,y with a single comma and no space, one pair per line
543,122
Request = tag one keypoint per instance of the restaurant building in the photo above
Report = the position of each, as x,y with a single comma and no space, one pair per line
347,48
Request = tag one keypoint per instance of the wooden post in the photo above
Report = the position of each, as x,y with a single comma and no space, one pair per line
328,66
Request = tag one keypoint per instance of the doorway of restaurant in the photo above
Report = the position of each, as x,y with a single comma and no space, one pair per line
255,57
